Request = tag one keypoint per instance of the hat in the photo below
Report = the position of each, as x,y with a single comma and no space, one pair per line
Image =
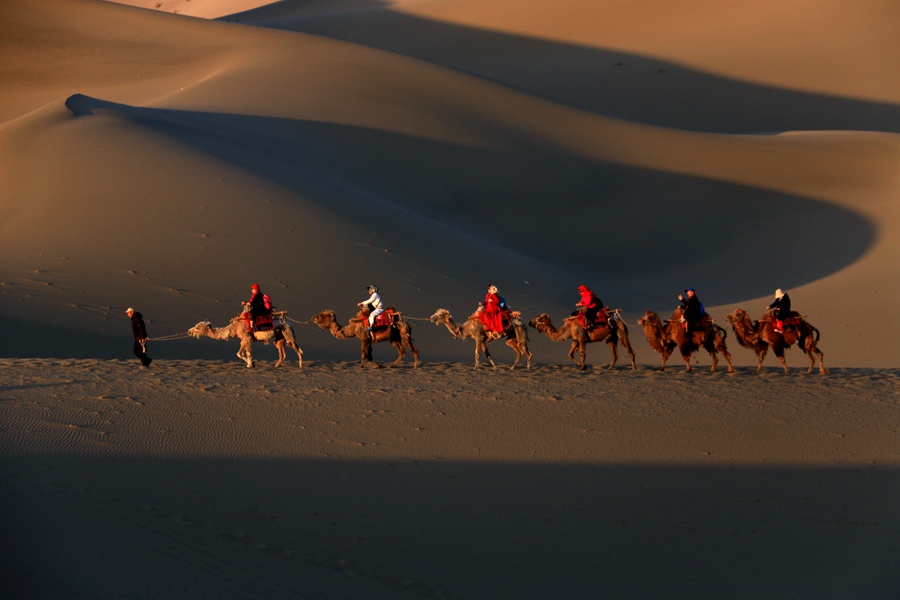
129,309
690,290
255,286
779,293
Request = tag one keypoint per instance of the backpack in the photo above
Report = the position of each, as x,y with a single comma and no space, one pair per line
267,301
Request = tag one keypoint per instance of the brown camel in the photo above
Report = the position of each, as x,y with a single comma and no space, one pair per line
665,337
399,334
516,335
573,330
282,335
760,335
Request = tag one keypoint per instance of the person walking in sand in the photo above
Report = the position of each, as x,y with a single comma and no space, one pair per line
140,336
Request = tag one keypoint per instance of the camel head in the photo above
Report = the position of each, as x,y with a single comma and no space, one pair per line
199,330
441,317
324,319
650,319
738,316
541,322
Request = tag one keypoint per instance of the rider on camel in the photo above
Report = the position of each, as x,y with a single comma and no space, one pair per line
781,309
494,311
692,310
589,306
376,307
255,307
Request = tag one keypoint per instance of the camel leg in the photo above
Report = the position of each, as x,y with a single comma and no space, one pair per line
627,345
291,342
715,361
724,350
487,355
615,355
245,355
666,353
687,360
400,353
515,348
527,358
779,352
279,345
582,353
366,352
414,350
299,353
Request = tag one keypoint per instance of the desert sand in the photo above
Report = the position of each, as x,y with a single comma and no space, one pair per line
166,155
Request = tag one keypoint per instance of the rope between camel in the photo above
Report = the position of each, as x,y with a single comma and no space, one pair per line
298,322
167,338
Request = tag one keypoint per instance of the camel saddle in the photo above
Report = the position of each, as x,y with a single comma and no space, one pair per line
381,327
791,323
263,323
601,320
702,325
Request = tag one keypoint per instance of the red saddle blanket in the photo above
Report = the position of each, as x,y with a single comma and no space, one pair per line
385,319
264,323
602,320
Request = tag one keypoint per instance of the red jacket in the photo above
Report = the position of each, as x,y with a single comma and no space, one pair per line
588,298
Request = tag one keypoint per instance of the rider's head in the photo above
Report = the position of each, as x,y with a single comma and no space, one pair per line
689,291
778,294
371,289
582,289
492,289
255,287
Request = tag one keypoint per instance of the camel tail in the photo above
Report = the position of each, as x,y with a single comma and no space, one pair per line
723,330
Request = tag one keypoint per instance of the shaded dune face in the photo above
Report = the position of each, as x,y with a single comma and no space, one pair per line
631,224
613,83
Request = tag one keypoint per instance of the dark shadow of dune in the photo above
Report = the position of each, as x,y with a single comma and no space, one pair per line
269,528
606,221
612,83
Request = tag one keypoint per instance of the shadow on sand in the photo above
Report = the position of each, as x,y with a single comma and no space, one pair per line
612,83
542,203
144,527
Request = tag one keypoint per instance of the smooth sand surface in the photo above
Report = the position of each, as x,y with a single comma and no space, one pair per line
196,479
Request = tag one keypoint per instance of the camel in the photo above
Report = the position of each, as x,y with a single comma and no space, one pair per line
665,337
282,335
399,334
581,337
760,335
516,335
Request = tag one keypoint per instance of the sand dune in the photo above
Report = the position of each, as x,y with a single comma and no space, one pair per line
436,154
153,160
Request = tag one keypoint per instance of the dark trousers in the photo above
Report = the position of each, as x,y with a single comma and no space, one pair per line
139,352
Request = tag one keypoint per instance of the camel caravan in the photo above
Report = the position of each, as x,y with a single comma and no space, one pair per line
688,330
